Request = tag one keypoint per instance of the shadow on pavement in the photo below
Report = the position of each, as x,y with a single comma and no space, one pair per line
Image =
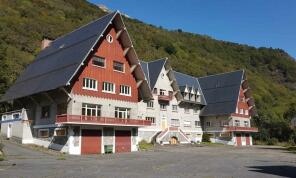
281,170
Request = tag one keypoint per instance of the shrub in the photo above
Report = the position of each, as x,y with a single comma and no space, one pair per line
144,145
206,138
272,141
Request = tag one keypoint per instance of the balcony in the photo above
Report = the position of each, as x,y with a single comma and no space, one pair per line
91,120
240,129
165,98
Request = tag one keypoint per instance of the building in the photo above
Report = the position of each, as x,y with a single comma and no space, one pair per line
81,93
174,110
227,115
87,93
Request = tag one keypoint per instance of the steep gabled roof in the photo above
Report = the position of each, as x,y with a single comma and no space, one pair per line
221,92
152,70
184,80
56,65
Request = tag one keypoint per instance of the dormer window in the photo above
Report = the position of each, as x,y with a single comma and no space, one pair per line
162,92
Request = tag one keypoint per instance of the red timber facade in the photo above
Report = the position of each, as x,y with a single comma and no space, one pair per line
111,53
105,95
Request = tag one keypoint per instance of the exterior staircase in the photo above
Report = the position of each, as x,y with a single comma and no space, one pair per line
165,136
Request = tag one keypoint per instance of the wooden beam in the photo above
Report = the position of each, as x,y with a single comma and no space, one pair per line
133,67
126,50
34,101
49,97
139,82
65,91
118,34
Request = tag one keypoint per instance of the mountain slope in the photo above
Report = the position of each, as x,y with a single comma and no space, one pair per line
271,72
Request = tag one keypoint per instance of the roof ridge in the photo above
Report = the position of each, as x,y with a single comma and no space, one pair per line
165,58
222,73
115,12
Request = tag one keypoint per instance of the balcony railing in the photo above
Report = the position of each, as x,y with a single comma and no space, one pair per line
79,119
165,97
240,129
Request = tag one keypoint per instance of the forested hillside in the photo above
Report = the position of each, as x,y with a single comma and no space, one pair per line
271,72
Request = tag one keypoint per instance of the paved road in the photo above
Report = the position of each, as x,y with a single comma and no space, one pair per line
168,161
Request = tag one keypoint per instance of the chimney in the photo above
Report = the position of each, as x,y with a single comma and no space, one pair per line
45,43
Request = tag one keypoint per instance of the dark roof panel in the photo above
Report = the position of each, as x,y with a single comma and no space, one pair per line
190,81
154,68
221,92
55,65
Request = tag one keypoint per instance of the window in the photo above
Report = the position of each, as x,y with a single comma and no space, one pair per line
90,84
122,112
175,122
108,87
224,123
91,110
152,119
197,123
45,112
187,124
208,124
118,66
236,123
99,61
109,38
4,117
246,123
175,108
162,92
195,110
150,104
43,133
125,90
246,112
241,111
186,110
163,107
155,90
60,132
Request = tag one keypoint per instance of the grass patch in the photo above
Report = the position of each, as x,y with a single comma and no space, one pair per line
212,144
144,145
61,157
2,158
292,149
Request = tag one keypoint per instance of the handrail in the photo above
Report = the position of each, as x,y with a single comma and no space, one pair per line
102,120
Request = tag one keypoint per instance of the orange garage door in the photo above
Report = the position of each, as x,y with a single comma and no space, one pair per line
122,141
238,140
91,141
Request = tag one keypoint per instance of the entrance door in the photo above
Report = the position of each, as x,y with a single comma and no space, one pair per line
248,139
164,124
174,140
238,140
122,141
9,131
91,141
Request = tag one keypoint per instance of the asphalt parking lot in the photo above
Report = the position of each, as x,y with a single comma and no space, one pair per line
167,161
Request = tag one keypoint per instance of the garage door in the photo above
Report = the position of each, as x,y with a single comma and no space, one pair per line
238,140
122,141
248,139
91,141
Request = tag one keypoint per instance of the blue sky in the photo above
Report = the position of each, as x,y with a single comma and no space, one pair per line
269,23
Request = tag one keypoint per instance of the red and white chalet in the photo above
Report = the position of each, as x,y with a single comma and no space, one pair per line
84,91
